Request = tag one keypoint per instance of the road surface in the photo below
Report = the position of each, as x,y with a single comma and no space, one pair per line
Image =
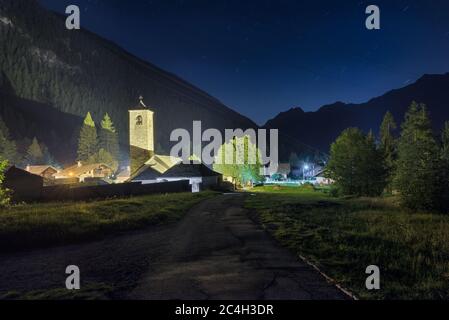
215,252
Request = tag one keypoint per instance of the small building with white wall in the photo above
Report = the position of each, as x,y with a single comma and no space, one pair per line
165,168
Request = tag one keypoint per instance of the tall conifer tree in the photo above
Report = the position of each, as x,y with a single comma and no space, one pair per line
34,155
87,142
419,175
388,146
109,137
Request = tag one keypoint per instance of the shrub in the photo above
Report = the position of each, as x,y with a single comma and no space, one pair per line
4,193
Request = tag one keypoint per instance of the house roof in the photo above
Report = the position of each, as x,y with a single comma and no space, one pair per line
190,170
162,163
320,173
75,170
171,167
39,169
13,172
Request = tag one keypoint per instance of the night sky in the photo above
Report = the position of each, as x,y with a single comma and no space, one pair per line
262,57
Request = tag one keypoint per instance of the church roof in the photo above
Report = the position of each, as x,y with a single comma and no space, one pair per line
78,170
162,163
190,170
160,166
40,169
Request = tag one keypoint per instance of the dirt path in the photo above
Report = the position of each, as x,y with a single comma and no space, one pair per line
215,252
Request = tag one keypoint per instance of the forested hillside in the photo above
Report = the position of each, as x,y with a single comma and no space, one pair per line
50,71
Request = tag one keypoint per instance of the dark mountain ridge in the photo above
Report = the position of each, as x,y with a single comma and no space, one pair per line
321,128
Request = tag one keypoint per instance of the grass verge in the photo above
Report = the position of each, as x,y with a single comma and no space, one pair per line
344,236
90,292
41,225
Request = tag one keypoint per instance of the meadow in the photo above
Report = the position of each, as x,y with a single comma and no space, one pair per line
30,226
342,236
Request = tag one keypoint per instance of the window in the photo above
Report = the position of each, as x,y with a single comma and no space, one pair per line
139,121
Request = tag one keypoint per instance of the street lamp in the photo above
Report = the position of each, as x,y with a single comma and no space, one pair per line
304,169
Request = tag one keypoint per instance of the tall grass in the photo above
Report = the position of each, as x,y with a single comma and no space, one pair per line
344,236
40,225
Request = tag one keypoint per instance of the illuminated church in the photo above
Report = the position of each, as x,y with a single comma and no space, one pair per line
148,167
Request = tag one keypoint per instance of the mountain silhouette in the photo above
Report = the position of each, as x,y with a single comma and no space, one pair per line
320,128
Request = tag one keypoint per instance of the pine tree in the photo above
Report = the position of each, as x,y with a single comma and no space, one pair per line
102,156
8,148
293,160
109,137
419,175
47,157
87,142
373,167
388,146
34,155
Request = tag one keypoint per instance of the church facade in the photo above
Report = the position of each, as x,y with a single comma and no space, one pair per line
146,166
141,135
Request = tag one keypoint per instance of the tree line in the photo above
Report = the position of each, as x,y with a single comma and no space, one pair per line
93,146
414,164
98,147
23,152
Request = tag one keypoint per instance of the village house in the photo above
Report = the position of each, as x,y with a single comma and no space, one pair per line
321,179
45,171
165,168
25,186
81,172
283,170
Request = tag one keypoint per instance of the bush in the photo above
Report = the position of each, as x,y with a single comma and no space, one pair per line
4,193
334,192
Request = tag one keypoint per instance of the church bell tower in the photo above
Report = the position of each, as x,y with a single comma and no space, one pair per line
141,135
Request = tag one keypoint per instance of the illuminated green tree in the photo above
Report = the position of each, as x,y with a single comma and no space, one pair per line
109,137
87,142
239,159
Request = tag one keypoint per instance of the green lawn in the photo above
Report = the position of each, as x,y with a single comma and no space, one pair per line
41,225
343,236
